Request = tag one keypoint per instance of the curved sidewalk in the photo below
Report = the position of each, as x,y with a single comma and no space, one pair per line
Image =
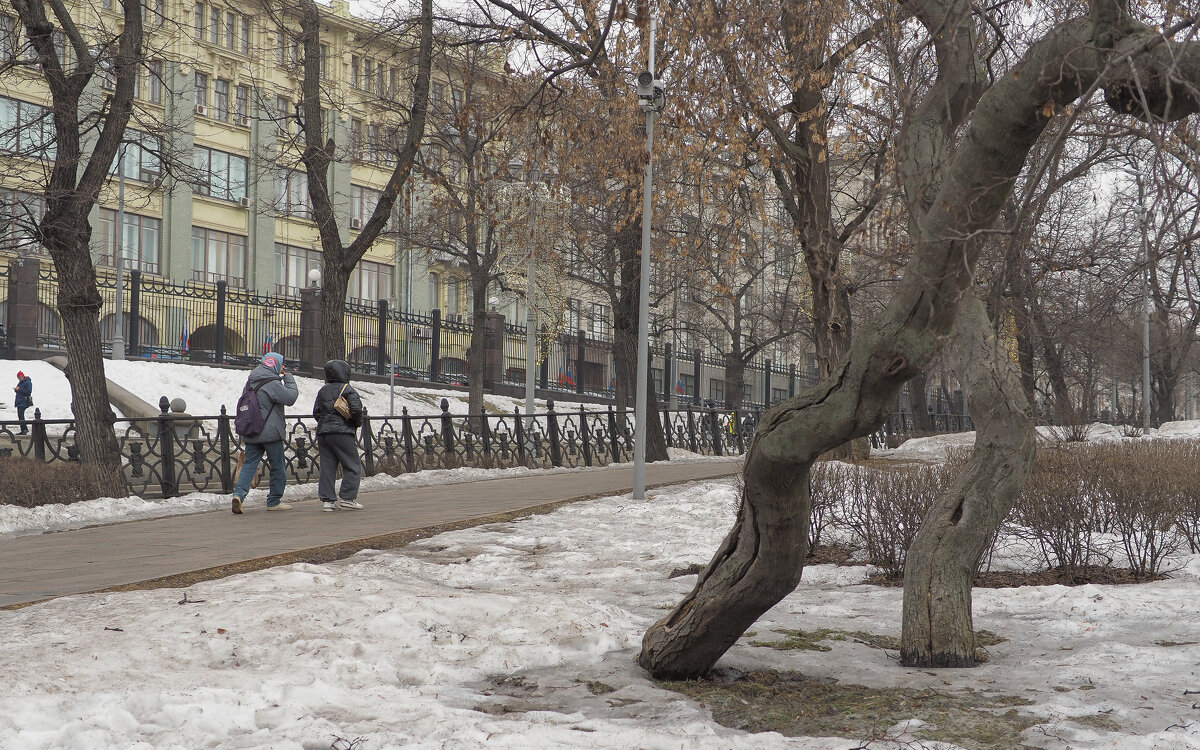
34,568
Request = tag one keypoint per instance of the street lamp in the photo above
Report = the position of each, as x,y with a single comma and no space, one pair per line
530,311
118,339
651,99
1145,263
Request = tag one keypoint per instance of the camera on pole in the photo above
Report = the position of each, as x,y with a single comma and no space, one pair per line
650,93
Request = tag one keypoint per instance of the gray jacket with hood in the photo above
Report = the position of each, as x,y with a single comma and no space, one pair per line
277,391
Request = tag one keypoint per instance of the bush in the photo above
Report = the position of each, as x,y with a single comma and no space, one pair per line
885,508
29,483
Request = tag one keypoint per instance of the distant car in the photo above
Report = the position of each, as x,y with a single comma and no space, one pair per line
401,371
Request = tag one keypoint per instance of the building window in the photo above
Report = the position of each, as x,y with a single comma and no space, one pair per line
26,129
245,35
241,105
154,81
283,112
572,321
8,38
362,203
231,30
199,24
716,390
356,139
369,282
201,90
453,299
218,256
219,175
19,216
293,193
598,321
141,160
292,265
221,99
140,244
214,26
355,63
374,144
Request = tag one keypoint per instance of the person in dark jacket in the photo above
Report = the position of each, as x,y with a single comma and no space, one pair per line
336,441
24,399
276,390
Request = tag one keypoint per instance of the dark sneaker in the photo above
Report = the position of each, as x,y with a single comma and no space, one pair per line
237,505
351,504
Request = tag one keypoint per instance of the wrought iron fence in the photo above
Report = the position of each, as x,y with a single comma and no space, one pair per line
173,454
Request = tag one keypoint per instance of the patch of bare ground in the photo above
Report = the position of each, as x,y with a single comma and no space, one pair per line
799,706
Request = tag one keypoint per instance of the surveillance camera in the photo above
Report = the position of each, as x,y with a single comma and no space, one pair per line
650,93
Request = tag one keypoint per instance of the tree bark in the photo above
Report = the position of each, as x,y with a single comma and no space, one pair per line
918,388
937,629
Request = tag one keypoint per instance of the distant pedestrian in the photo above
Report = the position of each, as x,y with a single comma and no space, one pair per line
24,398
336,442
276,389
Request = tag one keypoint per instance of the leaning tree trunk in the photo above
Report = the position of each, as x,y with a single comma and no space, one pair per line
79,306
937,629
760,560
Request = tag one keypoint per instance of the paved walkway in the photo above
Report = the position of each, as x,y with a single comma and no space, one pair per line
33,568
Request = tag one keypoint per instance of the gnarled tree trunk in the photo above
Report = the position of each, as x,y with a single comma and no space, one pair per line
937,629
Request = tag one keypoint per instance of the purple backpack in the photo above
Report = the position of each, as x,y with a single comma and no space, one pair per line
249,420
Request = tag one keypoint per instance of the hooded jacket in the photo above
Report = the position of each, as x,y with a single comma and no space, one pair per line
337,374
277,391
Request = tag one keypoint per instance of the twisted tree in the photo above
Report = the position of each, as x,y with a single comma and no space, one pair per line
1141,70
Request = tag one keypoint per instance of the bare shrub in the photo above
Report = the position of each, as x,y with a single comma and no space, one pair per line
29,483
827,482
885,508
1140,485
1058,508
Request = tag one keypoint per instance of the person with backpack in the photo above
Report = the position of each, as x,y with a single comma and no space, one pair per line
261,422
336,442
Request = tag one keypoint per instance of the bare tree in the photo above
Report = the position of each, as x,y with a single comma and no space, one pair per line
320,149
1144,72
80,168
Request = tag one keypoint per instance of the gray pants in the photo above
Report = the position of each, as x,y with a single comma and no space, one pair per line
338,449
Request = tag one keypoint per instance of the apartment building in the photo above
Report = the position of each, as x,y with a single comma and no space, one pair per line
209,182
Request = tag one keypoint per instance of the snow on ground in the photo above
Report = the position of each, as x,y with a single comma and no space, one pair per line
488,638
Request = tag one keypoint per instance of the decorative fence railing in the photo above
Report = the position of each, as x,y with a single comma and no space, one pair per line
174,454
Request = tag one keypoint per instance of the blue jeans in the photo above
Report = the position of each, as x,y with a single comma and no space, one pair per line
254,454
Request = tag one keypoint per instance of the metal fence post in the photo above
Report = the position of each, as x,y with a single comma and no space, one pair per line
791,380
696,377
435,346
552,428
613,438
135,311
519,422
447,428
691,426
368,441
224,435
716,430
222,289
166,441
39,435
668,381
668,428
406,422
585,437
767,383
381,345
579,359
485,434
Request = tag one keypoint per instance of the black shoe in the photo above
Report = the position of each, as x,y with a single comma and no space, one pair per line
23,432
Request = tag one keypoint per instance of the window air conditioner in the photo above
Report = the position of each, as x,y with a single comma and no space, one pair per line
356,223
243,120
244,201
201,110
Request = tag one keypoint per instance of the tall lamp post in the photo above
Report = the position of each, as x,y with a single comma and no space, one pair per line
530,300
651,99
118,339
1145,258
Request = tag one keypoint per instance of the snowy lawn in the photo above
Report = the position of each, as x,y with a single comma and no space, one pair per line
524,634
